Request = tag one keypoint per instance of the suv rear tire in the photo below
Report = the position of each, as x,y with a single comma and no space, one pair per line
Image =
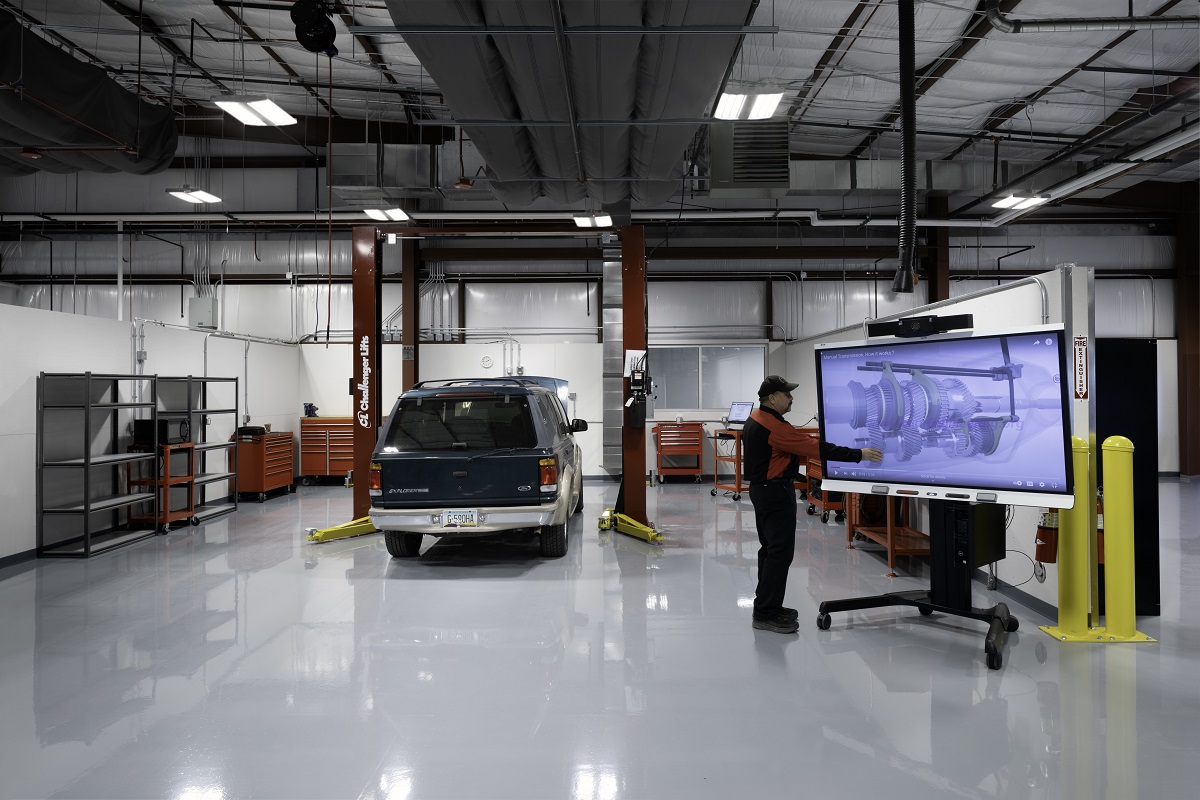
554,541
579,503
403,545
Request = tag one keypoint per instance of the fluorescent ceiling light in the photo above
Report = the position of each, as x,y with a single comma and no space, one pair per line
193,195
764,106
255,110
1030,202
593,220
747,106
730,106
386,215
1007,202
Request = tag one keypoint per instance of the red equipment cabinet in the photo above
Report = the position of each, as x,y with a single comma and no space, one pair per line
679,439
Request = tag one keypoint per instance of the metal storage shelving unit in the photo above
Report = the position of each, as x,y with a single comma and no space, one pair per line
86,503
209,406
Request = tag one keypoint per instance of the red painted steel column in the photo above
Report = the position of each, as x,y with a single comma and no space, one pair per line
633,301
364,359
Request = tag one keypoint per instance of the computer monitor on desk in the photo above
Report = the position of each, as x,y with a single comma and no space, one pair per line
739,412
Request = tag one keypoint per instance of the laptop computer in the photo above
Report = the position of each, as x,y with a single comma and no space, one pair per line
739,412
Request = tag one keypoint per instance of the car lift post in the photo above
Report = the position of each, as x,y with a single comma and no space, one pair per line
629,516
364,357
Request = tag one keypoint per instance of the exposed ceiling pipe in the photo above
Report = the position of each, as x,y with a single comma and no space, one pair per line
904,279
560,40
1130,23
1185,136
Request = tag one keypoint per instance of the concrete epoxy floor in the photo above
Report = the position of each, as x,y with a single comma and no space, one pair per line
237,660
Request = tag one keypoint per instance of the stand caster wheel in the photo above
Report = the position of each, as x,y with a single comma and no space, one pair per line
803,495
164,530
737,496
823,622
262,497
659,477
696,479
810,510
824,516
995,660
1012,624
713,492
194,520
925,610
839,516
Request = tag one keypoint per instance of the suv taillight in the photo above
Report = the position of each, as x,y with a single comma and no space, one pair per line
374,480
548,473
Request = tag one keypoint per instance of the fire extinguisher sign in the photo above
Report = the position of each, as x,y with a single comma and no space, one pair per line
1081,368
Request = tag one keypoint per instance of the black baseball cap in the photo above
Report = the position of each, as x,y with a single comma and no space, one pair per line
775,383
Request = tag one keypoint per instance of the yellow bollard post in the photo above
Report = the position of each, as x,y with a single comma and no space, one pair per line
1073,557
1119,595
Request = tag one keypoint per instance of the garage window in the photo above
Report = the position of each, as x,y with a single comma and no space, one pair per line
706,377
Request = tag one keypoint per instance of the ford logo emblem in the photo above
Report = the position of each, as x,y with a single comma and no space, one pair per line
524,488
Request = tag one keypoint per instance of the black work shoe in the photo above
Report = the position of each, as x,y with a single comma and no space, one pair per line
778,624
786,613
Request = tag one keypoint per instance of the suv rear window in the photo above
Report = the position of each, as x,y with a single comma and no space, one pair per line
478,422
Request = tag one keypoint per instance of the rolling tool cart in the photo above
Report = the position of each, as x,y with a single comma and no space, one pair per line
174,480
818,498
684,439
734,439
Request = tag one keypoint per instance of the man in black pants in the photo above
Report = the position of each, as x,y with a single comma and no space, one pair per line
771,454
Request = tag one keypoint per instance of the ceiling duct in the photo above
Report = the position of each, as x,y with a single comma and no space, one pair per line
59,114
492,75
366,174
1076,24
750,159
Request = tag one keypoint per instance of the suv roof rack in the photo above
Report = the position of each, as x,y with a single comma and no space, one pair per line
451,382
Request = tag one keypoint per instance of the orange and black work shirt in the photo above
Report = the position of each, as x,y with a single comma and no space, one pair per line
772,449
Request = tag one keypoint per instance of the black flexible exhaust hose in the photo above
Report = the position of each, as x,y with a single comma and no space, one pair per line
903,282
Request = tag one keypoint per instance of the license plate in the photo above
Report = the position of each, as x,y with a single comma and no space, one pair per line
460,518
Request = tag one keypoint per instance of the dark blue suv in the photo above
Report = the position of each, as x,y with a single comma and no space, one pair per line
476,456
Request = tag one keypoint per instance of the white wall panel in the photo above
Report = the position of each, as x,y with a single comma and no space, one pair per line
704,309
1135,308
561,311
324,379
809,308
1108,251
37,341
1168,405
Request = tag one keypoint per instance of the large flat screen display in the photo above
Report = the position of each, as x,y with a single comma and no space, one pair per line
980,417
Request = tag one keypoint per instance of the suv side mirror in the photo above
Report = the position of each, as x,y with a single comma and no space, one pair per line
578,425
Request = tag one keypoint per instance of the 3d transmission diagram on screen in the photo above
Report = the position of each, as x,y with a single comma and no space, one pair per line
912,407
